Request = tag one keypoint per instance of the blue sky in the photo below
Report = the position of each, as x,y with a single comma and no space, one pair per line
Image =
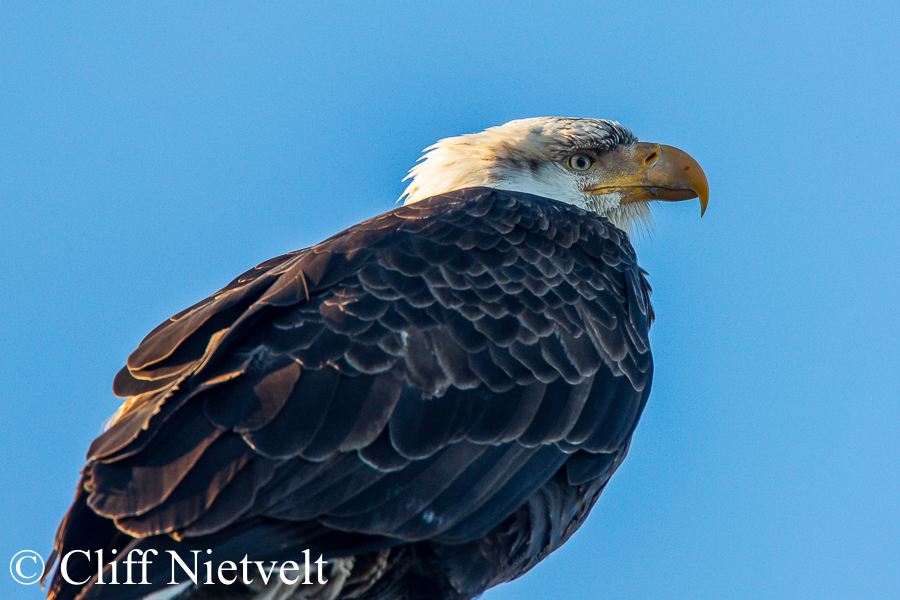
149,153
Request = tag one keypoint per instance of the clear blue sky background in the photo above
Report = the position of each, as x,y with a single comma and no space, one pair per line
149,153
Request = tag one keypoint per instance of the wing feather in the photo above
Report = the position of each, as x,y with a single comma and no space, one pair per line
424,375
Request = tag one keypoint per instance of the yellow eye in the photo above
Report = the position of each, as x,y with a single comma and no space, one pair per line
580,162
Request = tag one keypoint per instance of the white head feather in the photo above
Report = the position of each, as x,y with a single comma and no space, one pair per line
527,155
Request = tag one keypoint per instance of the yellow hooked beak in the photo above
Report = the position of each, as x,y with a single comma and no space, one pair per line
650,171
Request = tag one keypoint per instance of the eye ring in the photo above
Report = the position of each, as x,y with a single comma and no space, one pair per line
580,162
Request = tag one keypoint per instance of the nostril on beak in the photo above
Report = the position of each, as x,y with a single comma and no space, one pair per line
651,154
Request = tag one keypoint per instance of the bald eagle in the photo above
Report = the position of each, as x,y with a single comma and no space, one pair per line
428,403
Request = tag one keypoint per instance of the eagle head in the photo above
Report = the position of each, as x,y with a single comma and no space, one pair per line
595,164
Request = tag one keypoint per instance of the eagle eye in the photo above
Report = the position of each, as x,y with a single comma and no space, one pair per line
580,162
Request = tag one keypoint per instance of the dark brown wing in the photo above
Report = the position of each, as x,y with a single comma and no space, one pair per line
418,377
